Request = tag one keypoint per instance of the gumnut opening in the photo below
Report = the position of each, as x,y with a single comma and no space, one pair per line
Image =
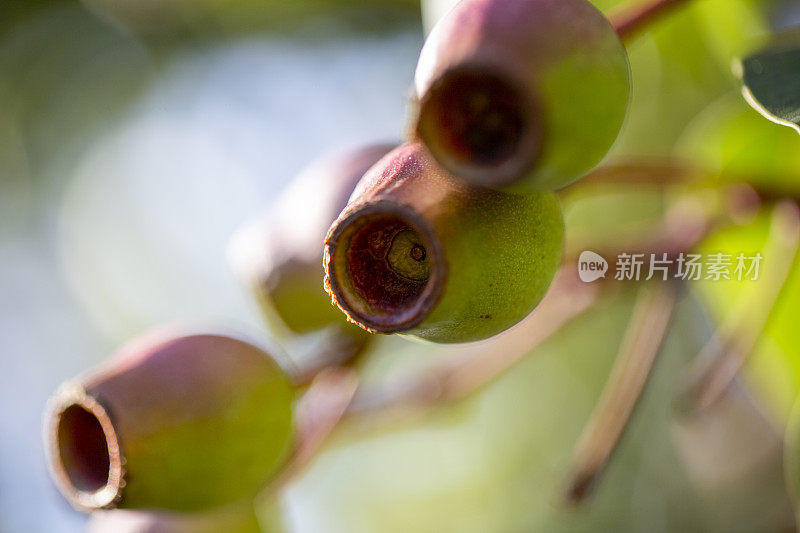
84,453
481,124
384,267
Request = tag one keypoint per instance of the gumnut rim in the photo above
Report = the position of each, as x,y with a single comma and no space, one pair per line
364,285
83,450
482,123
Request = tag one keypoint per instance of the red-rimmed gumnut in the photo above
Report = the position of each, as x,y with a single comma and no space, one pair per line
174,420
281,257
421,252
521,94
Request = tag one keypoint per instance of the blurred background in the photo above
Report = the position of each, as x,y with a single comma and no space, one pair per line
136,136
129,156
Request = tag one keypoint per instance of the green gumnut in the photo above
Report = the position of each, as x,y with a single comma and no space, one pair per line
280,257
421,252
521,94
173,421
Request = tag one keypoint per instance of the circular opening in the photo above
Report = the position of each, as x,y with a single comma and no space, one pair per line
480,125
384,271
389,264
83,449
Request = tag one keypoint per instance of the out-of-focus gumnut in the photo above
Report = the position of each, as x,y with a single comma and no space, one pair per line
521,94
238,518
281,258
175,421
421,252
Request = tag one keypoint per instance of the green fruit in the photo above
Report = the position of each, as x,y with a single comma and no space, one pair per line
174,421
420,252
521,94
280,255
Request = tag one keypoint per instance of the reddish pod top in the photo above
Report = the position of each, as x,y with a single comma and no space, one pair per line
419,252
521,94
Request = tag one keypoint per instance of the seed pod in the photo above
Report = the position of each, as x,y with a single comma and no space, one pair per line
521,94
173,421
282,259
420,252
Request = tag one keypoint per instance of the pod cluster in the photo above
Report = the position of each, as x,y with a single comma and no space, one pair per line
521,94
453,236
456,235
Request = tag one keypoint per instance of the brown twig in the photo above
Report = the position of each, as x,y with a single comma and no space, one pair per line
319,410
467,367
632,17
682,228
334,394
657,172
328,348
642,342
741,191
722,358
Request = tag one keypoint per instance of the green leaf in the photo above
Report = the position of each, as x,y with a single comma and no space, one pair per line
771,79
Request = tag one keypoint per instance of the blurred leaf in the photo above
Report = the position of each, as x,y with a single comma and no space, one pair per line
733,28
183,20
771,79
735,144
774,368
498,460
791,455
15,12
604,217
679,67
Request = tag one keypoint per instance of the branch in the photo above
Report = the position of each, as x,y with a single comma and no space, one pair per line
331,347
741,194
335,394
681,229
642,342
319,410
632,17
658,172
722,358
